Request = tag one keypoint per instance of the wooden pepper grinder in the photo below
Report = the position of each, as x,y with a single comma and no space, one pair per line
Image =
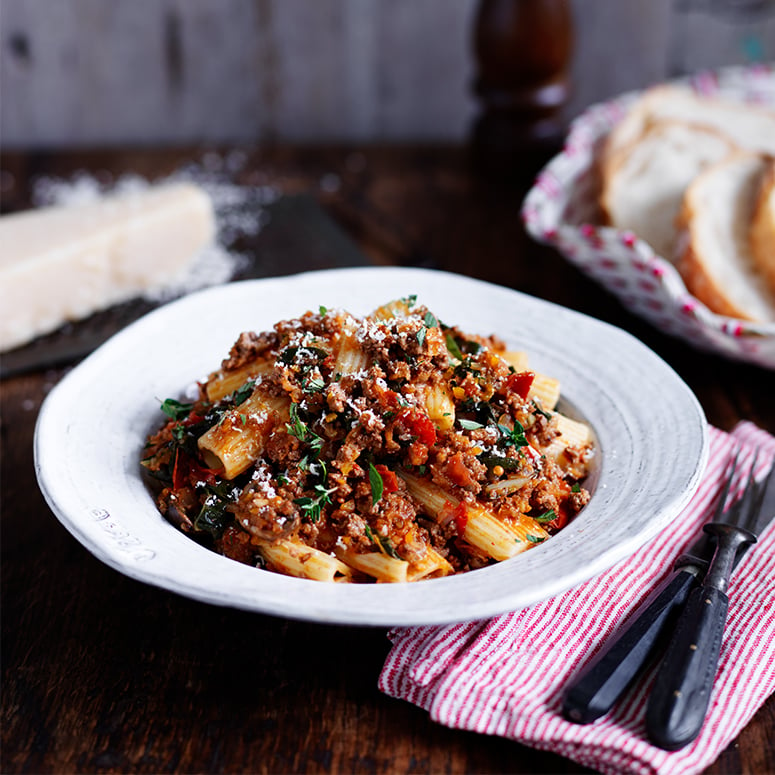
523,51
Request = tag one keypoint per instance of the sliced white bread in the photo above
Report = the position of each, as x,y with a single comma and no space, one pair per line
643,188
763,226
750,126
716,262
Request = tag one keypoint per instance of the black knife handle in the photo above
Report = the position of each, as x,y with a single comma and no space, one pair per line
679,699
596,689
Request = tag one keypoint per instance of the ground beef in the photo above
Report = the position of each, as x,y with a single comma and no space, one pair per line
363,413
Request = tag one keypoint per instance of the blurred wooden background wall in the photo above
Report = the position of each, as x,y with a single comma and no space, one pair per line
102,72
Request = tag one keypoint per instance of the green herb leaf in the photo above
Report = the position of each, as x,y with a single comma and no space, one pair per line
506,463
377,485
299,429
453,348
314,385
244,392
430,320
470,425
322,310
540,410
547,516
421,336
213,517
383,544
513,437
175,409
535,539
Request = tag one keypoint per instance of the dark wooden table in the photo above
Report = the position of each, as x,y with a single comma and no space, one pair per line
105,674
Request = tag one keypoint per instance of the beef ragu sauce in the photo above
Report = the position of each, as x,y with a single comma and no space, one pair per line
387,448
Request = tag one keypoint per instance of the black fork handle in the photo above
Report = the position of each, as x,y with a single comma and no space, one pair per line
679,699
593,693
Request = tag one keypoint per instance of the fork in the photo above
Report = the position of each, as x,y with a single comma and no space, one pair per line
680,696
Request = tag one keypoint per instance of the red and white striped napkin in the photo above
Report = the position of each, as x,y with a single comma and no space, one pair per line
506,676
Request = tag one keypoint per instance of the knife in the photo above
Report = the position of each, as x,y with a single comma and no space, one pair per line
679,700
595,690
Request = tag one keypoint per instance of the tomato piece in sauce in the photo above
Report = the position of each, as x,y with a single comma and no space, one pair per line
461,518
187,472
419,425
520,383
389,479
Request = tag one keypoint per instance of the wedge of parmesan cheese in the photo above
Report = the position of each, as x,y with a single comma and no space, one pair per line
62,263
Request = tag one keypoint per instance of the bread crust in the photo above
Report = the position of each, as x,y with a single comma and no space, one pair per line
696,268
704,287
762,234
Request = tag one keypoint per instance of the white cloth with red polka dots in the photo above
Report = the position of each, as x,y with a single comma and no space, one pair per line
562,210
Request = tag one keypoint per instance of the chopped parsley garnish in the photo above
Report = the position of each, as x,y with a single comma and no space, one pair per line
300,430
312,507
429,321
410,301
547,516
322,310
242,394
291,354
175,409
535,539
467,366
539,409
377,485
382,543
454,349
513,437
313,385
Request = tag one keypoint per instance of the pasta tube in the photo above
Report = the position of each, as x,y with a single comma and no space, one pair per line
350,358
546,390
515,358
238,440
572,434
496,539
393,309
303,561
224,383
440,406
432,564
375,564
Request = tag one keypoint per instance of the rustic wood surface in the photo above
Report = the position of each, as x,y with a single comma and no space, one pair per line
105,674
91,72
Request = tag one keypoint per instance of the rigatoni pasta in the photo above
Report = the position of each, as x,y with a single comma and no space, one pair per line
391,448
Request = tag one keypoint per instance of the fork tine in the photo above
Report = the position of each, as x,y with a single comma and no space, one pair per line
729,475
766,500
743,512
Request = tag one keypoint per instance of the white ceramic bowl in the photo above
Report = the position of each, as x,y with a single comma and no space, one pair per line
651,432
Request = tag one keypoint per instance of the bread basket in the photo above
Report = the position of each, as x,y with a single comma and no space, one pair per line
562,210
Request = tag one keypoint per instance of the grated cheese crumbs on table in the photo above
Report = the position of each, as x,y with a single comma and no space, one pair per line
239,211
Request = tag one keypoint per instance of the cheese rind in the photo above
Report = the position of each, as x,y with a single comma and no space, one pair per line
60,264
